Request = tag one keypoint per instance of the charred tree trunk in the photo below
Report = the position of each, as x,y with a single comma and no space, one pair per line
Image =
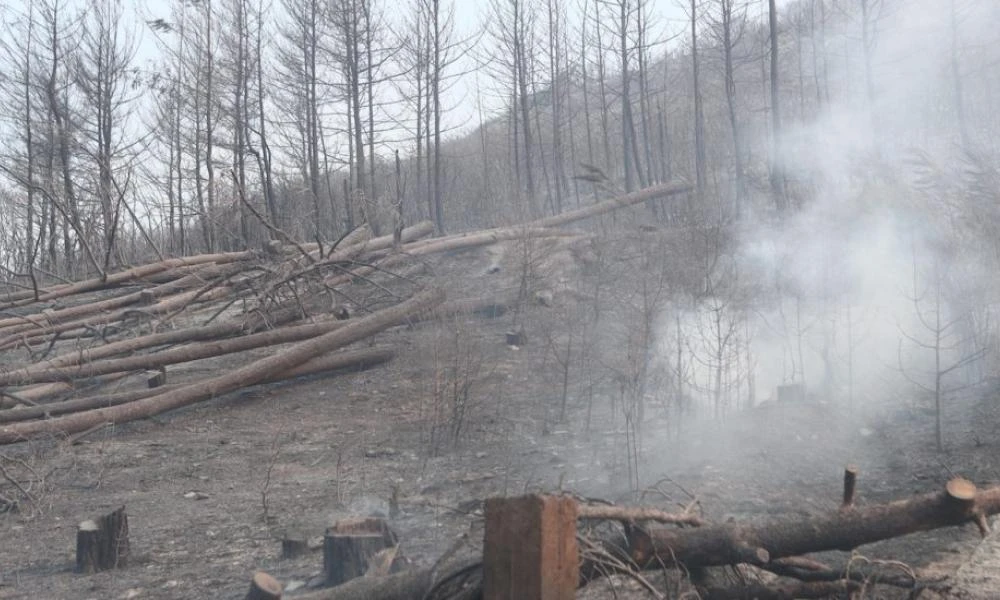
102,543
844,529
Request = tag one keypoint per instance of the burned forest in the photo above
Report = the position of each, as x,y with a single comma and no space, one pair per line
497,299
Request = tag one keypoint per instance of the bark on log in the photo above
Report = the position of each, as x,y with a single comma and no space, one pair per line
264,587
252,324
116,279
102,543
352,251
180,354
628,513
339,361
164,306
244,376
408,585
651,193
47,318
717,545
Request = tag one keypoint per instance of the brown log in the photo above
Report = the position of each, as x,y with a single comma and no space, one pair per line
102,543
628,513
180,354
48,318
241,377
264,587
349,252
116,279
651,193
339,361
189,334
781,591
472,239
408,585
165,306
716,545
46,391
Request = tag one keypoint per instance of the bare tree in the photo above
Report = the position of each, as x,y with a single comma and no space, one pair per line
699,113
730,25
777,176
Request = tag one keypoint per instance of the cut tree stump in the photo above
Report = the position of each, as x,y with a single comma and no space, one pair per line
350,545
294,544
102,543
530,549
264,587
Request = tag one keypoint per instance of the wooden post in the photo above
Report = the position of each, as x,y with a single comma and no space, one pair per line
102,543
349,546
530,550
264,587
850,482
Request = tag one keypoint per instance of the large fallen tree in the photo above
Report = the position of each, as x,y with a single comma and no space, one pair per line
761,545
959,503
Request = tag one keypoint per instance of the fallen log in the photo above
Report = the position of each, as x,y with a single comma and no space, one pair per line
117,279
167,305
47,318
241,377
638,513
353,360
46,391
844,529
650,193
418,584
188,334
180,354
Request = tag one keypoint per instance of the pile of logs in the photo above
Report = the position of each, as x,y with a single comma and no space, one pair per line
63,348
543,548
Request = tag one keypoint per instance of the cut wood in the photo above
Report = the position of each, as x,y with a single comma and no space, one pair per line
180,354
716,545
48,318
651,193
350,546
102,543
117,279
294,544
339,361
346,555
408,585
244,376
252,324
264,587
167,305
639,513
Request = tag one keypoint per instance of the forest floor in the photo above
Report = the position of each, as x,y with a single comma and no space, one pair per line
210,489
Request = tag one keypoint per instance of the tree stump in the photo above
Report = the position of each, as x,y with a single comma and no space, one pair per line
264,587
155,379
294,544
102,543
349,546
